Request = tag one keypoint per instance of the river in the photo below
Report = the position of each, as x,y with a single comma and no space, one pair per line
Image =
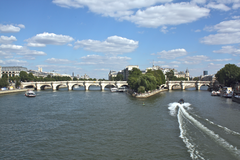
98,124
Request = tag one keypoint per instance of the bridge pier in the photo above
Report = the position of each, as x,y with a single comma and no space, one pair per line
38,87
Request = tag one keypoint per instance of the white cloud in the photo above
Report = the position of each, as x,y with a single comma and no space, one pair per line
235,17
20,50
171,54
194,59
112,45
170,66
5,39
228,33
236,6
198,1
218,6
152,16
9,28
228,49
164,29
58,61
222,38
198,30
168,14
175,62
43,39
13,62
116,8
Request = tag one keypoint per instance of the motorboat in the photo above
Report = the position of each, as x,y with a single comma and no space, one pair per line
114,89
215,93
121,89
30,93
227,92
181,101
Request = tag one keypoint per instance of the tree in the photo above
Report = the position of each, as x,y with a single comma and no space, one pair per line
23,76
119,77
5,76
75,78
170,75
4,81
228,75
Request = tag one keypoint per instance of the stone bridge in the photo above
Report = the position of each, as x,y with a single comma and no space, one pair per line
188,84
70,84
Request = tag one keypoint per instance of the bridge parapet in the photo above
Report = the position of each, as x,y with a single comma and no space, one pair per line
70,84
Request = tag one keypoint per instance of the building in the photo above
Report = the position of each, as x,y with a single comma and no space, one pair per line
205,73
125,71
13,71
84,77
112,74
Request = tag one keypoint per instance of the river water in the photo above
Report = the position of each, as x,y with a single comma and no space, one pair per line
98,124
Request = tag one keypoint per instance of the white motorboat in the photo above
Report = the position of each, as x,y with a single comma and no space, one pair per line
114,89
30,93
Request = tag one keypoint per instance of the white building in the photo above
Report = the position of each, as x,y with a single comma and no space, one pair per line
12,71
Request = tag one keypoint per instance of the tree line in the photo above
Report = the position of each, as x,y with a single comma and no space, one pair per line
229,75
149,81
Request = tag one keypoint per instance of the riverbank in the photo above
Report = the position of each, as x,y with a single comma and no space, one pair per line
148,94
13,91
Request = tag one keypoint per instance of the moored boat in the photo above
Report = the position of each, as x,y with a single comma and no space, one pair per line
236,93
30,93
114,89
227,92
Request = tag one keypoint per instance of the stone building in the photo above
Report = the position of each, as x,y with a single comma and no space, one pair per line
13,71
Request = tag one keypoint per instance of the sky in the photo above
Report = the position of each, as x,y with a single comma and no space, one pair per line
95,36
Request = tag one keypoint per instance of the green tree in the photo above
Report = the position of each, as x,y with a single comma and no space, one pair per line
75,78
30,77
23,76
119,77
228,75
4,81
5,76
141,89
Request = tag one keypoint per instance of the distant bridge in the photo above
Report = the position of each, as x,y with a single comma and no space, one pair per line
70,84
188,84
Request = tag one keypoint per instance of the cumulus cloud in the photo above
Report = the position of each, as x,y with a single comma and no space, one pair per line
219,60
20,50
58,61
152,16
9,28
5,39
218,6
168,14
228,49
228,33
112,45
116,8
103,60
172,54
194,59
13,62
164,29
43,39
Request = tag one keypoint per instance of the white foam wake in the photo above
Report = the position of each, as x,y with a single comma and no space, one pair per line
229,131
173,107
222,142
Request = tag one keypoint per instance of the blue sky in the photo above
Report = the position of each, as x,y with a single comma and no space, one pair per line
95,36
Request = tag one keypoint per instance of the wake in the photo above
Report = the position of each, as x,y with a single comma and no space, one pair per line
180,110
